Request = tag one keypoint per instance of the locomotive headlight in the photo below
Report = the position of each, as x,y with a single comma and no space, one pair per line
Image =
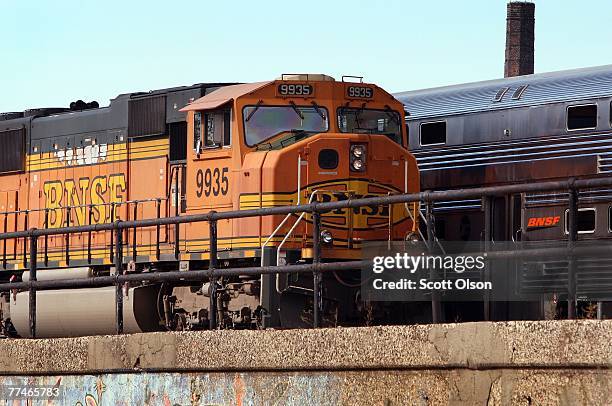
358,157
327,237
358,151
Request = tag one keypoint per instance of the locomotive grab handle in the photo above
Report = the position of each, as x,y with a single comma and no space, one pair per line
278,289
282,223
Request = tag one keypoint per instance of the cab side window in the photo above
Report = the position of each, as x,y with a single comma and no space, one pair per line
212,129
197,131
218,128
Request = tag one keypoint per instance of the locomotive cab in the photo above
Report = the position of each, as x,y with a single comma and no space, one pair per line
299,139
291,141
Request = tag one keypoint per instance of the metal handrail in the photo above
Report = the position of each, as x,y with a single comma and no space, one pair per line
83,206
428,196
314,193
420,215
298,199
316,267
278,249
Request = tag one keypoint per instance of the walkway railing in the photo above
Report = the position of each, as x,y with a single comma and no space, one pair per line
130,209
316,267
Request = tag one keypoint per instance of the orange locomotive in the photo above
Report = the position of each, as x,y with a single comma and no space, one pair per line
171,152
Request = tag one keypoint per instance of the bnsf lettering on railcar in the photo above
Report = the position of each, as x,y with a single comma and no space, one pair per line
98,192
543,221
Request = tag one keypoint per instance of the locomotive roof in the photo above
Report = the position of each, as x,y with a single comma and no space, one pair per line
541,88
46,112
223,95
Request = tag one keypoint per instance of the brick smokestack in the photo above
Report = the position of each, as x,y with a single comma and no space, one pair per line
520,23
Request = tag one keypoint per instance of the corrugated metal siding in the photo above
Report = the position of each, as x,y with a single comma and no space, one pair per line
543,88
12,150
562,197
503,153
592,279
147,116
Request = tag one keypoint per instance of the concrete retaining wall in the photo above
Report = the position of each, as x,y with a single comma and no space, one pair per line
560,362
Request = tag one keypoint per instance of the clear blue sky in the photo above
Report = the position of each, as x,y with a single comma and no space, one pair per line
55,52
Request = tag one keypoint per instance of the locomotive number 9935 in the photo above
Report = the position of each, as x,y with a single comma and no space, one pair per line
302,90
212,182
361,92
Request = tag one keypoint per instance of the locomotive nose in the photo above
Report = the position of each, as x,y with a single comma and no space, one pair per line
356,156
352,166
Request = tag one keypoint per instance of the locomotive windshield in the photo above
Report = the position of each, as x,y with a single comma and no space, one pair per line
368,121
263,123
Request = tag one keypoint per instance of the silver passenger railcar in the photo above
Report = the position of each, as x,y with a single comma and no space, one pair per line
537,127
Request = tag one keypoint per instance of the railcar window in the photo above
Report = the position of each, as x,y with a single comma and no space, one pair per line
211,129
433,133
369,121
582,117
610,219
197,131
263,123
218,126
518,93
500,94
585,221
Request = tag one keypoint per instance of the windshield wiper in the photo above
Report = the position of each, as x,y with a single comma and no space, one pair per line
392,116
344,108
259,103
361,110
318,110
358,114
297,111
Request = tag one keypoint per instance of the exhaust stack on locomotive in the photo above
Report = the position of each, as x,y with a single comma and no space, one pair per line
189,150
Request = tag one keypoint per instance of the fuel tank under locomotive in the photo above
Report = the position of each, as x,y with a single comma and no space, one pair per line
85,311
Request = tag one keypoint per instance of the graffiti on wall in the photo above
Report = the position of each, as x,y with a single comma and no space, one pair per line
183,389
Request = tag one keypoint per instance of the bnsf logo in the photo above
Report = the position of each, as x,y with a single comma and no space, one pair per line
363,211
543,221
78,193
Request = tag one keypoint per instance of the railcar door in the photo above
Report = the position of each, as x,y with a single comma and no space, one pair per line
501,210
508,218
209,176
